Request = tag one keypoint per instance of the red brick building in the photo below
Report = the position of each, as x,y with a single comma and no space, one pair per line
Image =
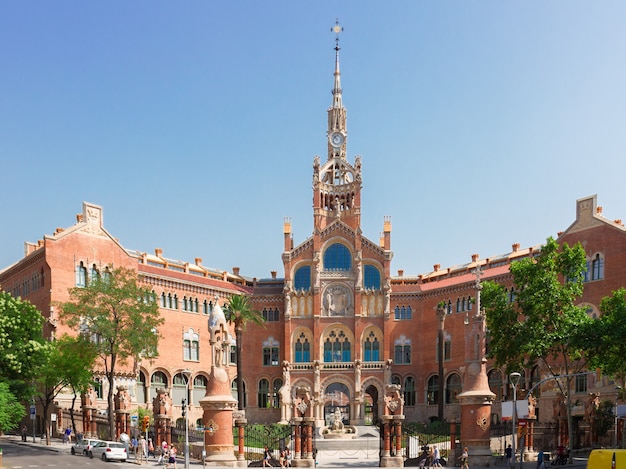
338,321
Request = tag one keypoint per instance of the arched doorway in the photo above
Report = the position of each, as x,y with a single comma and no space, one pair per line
371,405
337,396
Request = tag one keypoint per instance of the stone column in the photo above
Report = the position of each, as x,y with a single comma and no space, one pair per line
218,403
240,423
392,419
305,422
476,397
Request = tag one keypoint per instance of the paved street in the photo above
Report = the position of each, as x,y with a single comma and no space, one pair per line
29,455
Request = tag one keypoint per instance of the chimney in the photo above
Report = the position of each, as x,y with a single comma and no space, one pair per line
236,271
158,252
474,257
515,247
436,267
619,222
599,209
400,273
198,261
273,272
79,217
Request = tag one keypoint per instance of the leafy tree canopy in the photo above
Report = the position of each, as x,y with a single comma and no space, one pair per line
603,339
11,411
121,318
21,342
542,322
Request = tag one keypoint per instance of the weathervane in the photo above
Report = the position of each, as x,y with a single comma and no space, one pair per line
336,29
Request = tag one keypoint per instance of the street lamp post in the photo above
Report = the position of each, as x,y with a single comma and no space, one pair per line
187,374
618,389
514,379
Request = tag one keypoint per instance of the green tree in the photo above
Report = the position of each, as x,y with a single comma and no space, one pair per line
603,339
239,312
122,319
76,359
541,324
11,411
21,344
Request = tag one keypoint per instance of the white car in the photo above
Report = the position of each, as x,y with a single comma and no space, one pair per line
84,446
109,451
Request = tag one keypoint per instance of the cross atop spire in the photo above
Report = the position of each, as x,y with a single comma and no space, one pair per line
337,87
337,29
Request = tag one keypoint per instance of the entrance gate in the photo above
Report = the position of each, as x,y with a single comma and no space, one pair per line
275,436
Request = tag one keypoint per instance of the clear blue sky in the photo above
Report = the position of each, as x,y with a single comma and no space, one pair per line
194,124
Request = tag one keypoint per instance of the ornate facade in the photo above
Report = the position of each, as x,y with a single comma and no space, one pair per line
339,323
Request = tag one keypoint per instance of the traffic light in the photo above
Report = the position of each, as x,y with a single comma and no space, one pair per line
145,422
184,407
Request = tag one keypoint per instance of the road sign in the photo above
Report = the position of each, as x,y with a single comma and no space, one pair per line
33,412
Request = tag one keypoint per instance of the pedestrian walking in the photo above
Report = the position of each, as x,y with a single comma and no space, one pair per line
172,457
464,459
436,457
508,452
142,449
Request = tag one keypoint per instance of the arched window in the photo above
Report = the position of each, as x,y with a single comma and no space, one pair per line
597,268
262,399
453,388
179,389
141,388
409,390
337,348
494,377
303,349
371,348
432,391
302,278
233,391
81,275
199,388
371,277
94,275
395,379
278,383
337,257
158,380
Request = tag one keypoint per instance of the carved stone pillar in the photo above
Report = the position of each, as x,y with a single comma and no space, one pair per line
392,420
305,422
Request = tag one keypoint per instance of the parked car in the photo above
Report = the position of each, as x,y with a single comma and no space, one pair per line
84,446
109,451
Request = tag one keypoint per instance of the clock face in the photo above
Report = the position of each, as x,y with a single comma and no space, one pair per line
336,139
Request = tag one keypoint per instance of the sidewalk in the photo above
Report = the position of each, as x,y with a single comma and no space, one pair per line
325,459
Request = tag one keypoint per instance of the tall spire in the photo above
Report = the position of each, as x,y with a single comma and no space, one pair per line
337,88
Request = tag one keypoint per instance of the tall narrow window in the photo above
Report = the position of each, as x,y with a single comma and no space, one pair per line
81,275
432,391
302,278
303,349
263,393
371,348
409,390
371,277
276,385
597,268
453,388
337,347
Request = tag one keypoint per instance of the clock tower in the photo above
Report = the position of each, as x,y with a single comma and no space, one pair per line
337,183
